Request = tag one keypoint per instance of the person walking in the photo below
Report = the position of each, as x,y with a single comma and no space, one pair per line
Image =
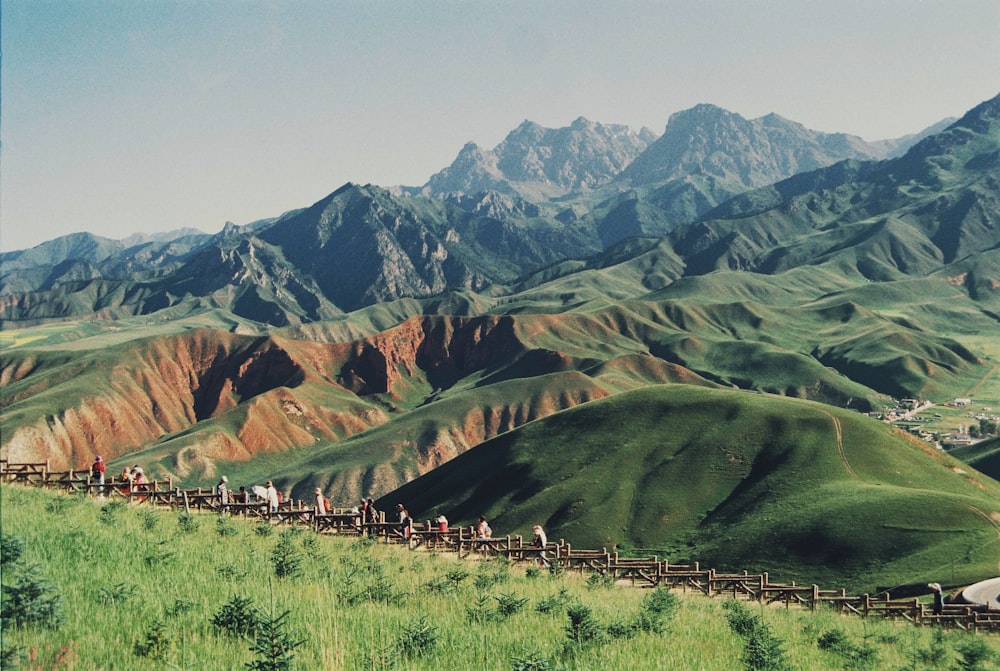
271,496
938,607
97,470
539,541
321,507
222,490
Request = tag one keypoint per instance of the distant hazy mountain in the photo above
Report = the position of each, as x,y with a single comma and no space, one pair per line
364,245
541,163
708,140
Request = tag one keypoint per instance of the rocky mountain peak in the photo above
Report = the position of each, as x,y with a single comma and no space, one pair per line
538,162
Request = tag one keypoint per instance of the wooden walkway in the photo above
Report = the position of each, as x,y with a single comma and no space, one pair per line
637,571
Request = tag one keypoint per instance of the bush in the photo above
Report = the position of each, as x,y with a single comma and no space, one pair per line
273,645
156,643
854,656
657,607
764,651
30,600
417,638
973,655
531,661
286,559
187,523
116,594
225,526
553,603
237,617
480,612
739,617
11,549
509,604
583,627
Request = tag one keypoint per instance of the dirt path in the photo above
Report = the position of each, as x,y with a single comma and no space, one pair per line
840,446
972,392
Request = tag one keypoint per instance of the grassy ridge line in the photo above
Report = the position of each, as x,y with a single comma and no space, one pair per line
119,569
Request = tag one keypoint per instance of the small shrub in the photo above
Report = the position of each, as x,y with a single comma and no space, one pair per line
621,630
159,554
532,572
11,549
764,651
150,519
273,645
556,570
440,585
187,523
179,607
480,612
583,627
974,655
237,617
116,594
382,657
11,656
225,526
156,643
417,638
286,559
263,529
230,572
531,661
457,575
554,603
57,504
600,581
509,604
657,607
109,512
739,617
854,656
30,600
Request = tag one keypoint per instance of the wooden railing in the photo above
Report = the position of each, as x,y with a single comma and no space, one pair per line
645,571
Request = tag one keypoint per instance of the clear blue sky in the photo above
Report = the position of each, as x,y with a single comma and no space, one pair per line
123,116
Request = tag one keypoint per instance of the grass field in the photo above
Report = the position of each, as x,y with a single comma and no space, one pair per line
140,588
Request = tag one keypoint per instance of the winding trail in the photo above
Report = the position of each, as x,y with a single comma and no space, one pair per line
972,392
840,446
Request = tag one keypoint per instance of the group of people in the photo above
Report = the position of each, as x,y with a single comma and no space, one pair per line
131,476
272,498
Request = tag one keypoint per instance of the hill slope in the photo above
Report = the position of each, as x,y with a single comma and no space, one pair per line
733,479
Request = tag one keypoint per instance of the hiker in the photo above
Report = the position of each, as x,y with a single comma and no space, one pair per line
938,607
222,489
404,520
243,496
97,470
371,511
126,481
321,506
539,542
272,497
442,523
483,529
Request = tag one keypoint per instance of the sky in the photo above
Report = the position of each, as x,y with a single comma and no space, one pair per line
143,116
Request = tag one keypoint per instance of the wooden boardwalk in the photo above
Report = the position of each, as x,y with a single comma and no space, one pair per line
636,571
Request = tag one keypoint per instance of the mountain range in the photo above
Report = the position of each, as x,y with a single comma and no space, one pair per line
364,342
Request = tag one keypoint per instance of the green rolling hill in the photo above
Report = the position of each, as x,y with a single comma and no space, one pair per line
736,480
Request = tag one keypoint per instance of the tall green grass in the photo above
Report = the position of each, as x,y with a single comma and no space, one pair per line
140,588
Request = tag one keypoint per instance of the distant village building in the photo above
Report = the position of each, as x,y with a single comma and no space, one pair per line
959,402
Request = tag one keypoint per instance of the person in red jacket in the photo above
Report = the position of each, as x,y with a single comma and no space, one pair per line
97,472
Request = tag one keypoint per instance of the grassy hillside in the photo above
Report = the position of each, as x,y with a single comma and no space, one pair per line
738,480
984,456
139,588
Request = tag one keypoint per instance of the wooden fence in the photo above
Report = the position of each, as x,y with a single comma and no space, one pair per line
641,571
